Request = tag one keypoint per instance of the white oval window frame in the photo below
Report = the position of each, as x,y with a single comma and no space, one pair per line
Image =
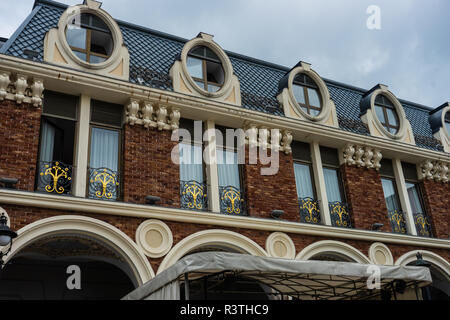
444,113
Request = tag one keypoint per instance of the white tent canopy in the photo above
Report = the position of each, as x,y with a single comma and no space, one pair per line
297,279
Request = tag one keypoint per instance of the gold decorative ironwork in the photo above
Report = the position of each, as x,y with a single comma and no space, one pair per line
55,177
104,184
231,200
339,213
423,225
309,210
193,195
397,220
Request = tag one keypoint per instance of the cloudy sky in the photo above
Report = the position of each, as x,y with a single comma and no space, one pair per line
410,53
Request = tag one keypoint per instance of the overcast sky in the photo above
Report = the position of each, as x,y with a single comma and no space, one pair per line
410,53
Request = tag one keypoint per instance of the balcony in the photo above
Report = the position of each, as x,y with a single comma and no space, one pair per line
103,184
339,214
309,210
423,225
54,177
193,195
231,201
397,220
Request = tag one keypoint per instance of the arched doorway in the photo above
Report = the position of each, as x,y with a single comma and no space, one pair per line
66,267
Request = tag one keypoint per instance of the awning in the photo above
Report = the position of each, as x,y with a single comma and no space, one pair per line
297,279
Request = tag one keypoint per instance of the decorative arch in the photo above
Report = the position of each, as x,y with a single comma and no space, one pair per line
429,256
334,247
98,229
225,238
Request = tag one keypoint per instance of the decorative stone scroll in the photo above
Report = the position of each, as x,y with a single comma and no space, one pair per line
152,115
362,156
434,170
264,137
21,88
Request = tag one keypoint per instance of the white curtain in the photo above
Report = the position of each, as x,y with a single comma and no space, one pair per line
414,198
191,164
47,142
390,194
228,169
303,181
332,185
104,149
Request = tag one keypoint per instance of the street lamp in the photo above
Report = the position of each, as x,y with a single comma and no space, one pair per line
422,263
6,237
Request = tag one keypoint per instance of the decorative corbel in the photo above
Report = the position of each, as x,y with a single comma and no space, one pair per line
147,115
368,156
349,152
377,156
358,156
161,117
20,85
175,119
4,83
286,142
132,112
252,134
37,88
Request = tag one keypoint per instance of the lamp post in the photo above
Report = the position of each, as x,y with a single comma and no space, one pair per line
6,237
422,263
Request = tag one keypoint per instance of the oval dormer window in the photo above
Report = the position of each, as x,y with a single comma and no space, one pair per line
307,94
205,68
447,122
387,114
90,40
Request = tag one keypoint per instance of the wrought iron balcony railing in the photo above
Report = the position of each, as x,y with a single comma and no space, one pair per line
54,177
339,214
231,200
423,225
397,220
103,184
309,210
193,195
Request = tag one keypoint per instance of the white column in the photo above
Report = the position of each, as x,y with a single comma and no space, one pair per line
82,147
212,176
320,183
403,195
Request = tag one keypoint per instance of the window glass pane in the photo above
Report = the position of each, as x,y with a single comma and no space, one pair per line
414,199
96,59
392,117
380,114
390,194
194,66
57,140
447,125
303,180
200,84
47,141
212,88
101,42
80,55
298,93
314,99
314,112
191,166
104,149
76,37
228,169
332,185
214,72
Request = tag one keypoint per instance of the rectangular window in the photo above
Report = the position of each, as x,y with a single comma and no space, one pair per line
309,206
193,188
57,137
105,142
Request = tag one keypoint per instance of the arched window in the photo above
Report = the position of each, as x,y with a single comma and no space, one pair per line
92,40
205,68
307,94
386,113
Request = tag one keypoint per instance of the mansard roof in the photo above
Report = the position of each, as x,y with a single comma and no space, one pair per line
152,53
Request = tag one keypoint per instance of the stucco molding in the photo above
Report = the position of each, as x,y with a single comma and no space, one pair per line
267,137
327,246
280,245
152,115
380,254
434,170
154,237
362,156
21,88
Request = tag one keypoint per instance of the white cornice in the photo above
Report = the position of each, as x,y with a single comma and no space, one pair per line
74,204
117,91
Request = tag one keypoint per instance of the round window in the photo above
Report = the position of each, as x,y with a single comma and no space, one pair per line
90,39
205,68
307,94
387,114
447,122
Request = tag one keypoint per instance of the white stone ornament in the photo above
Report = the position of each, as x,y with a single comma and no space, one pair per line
280,245
20,85
175,119
155,238
147,115
161,117
132,112
37,88
4,83
286,142
366,157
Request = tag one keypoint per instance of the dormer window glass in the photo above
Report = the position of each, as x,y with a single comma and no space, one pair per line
387,115
307,94
447,122
92,40
206,69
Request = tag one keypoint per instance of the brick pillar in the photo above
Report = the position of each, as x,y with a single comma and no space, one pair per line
148,168
365,197
271,192
19,142
436,196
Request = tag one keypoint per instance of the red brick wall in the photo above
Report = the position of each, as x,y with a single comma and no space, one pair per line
437,204
19,142
272,192
148,168
365,197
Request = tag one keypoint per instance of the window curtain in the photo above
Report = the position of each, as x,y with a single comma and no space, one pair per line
191,164
104,149
390,195
332,185
228,169
303,181
414,199
47,142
